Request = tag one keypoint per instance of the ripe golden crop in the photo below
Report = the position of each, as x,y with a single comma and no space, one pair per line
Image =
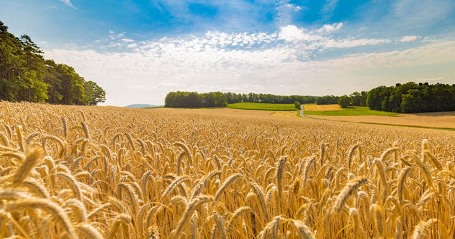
106,172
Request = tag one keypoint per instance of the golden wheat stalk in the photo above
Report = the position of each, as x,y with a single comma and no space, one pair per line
31,160
191,207
230,180
347,191
46,205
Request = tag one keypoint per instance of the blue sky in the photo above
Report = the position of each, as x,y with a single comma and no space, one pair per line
140,50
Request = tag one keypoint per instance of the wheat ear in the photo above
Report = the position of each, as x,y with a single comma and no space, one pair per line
31,160
347,191
46,205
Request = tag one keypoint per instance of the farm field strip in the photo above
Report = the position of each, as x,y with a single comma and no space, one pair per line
432,120
336,110
262,106
107,172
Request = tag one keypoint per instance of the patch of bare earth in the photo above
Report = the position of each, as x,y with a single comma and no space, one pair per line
434,120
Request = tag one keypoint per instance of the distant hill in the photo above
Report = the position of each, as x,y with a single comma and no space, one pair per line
140,106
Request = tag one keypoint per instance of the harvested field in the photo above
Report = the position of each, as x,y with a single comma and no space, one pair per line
434,120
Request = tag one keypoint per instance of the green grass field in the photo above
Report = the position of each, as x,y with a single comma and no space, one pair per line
262,106
350,111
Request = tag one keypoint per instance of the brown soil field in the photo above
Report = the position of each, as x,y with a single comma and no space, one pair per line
434,120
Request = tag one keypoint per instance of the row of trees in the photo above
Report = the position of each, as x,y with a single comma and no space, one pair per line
327,100
412,98
182,99
268,98
354,99
26,76
404,98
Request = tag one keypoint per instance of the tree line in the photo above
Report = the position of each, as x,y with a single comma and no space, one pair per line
403,98
412,98
184,99
26,76
354,99
327,100
268,98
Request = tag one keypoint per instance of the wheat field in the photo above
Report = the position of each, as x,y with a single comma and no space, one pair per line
106,172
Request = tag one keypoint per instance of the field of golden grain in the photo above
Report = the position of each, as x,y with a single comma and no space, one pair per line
106,172
315,107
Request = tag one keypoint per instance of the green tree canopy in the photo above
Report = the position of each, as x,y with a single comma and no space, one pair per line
344,101
94,93
413,98
297,105
26,76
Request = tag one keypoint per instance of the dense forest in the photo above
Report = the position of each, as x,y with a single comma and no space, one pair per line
181,99
268,98
326,100
354,99
412,98
26,76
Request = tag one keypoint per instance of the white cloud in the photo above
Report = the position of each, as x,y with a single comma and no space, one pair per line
67,3
292,33
350,43
298,40
329,28
144,71
318,40
127,40
409,38
293,7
